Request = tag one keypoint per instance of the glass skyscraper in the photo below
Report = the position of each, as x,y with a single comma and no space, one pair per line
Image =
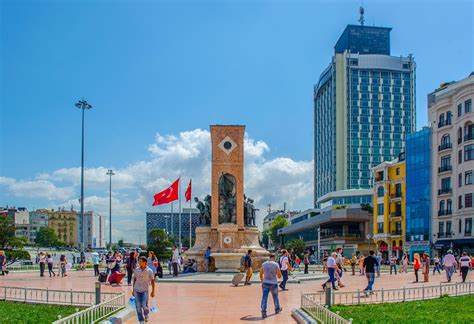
418,190
364,106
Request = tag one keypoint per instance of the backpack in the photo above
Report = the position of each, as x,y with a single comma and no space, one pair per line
242,261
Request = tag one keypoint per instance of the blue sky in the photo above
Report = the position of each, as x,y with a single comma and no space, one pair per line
169,67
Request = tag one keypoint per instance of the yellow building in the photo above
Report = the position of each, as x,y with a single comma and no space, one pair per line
389,206
64,224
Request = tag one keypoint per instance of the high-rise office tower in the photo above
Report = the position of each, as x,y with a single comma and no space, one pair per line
364,106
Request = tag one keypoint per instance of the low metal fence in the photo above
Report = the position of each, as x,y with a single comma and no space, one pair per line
96,313
392,295
52,296
321,312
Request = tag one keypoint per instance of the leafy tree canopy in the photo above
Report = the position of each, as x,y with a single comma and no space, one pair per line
278,222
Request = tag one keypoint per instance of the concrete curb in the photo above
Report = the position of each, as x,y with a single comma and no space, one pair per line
301,317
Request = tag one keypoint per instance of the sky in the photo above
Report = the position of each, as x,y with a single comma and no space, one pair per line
158,73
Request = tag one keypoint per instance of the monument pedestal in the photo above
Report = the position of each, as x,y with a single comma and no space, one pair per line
228,244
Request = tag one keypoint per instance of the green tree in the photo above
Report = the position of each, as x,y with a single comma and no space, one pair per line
297,245
160,244
278,222
12,245
46,238
265,237
120,243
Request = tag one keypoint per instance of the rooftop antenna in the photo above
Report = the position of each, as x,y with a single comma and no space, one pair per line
361,12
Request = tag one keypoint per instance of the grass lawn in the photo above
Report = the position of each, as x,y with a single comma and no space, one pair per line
441,310
13,312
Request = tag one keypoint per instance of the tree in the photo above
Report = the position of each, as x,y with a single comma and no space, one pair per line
297,245
46,238
160,244
120,243
12,245
278,222
265,237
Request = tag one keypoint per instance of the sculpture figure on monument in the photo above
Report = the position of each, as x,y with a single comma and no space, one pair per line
252,210
201,207
207,210
227,199
246,211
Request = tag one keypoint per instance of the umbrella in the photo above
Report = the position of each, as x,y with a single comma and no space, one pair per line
94,253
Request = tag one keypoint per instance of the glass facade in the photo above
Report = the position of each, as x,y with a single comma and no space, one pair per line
364,40
418,165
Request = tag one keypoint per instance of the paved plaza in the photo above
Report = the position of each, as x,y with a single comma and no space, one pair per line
216,302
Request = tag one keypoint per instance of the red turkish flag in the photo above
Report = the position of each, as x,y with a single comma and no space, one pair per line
168,195
187,194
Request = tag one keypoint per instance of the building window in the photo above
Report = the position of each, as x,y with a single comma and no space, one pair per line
469,152
380,191
449,207
460,157
459,135
468,227
460,180
441,120
441,206
441,229
380,227
468,200
467,106
460,226
445,141
446,184
459,109
468,177
448,118
448,228
460,202
380,209
398,171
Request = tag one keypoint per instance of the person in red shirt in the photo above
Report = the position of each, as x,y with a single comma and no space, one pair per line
416,265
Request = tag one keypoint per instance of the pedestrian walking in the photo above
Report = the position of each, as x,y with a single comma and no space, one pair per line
332,269
269,274
361,265
42,263
379,264
3,263
152,262
426,267
449,263
130,266
143,277
325,260
405,262
248,267
393,263
340,265
50,262
285,268
353,263
207,259
96,262
465,264
175,260
306,262
416,265
62,265
436,264
370,264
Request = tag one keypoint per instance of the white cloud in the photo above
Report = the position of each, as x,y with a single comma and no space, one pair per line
186,155
36,189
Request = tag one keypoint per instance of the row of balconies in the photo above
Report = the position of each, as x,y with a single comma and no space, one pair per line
445,168
450,235
444,212
446,146
444,191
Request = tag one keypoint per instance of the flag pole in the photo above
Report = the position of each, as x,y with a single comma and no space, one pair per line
190,219
172,218
179,217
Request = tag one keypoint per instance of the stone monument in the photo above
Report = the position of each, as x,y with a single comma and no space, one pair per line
230,228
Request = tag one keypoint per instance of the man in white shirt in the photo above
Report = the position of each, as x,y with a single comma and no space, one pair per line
465,264
332,268
340,265
449,263
285,267
175,260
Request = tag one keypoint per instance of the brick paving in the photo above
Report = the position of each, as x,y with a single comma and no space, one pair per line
218,303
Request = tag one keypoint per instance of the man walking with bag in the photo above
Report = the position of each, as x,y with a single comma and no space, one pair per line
142,278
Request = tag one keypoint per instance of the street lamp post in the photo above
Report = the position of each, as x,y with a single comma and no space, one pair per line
83,105
110,173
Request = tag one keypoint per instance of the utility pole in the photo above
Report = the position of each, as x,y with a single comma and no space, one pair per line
110,173
83,105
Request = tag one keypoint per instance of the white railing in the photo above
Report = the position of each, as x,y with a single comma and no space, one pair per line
95,313
321,312
51,296
393,295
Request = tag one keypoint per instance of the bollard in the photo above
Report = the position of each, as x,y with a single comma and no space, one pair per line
328,294
97,293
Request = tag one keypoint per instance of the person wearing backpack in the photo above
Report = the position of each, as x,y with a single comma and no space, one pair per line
248,267
285,267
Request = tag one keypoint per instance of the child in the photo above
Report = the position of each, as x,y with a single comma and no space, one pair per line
62,265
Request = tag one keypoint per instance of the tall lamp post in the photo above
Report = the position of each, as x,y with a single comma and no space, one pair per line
83,105
110,173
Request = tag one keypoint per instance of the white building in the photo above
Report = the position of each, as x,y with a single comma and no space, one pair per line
22,216
452,118
95,229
